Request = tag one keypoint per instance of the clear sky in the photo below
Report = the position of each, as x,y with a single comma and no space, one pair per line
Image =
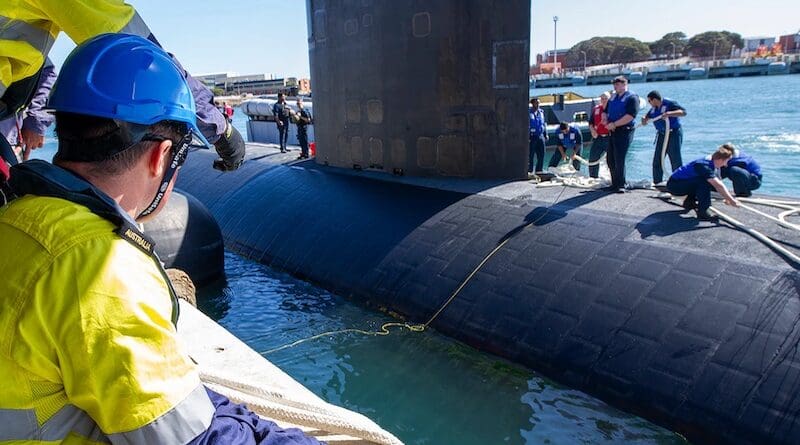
270,36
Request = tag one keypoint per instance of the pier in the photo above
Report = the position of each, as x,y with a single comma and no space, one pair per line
682,70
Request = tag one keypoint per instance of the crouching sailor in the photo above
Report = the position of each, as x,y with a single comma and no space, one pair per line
696,179
744,172
569,138
89,351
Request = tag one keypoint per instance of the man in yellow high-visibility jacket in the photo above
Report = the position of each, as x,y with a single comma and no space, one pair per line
28,29
88,346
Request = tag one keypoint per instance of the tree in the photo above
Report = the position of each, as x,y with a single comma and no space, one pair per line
711,43
663,46
217,91
604,50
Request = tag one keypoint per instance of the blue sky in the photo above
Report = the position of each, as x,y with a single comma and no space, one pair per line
270,36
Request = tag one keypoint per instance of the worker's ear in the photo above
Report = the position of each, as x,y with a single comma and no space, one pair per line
159,158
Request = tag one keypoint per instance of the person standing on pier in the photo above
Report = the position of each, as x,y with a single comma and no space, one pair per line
303,118
282,112
621,109
597,126
663,108
538,136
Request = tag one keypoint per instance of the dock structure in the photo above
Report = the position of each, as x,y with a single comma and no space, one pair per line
788,64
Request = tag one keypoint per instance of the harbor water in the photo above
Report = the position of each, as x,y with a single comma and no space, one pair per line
422,387
428,389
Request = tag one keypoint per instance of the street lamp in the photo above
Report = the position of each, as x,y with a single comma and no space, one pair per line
673,50
584,61
555,40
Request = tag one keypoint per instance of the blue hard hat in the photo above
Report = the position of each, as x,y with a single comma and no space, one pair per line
125,78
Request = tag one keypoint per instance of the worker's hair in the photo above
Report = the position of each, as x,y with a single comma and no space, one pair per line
104,144
563,126
654,95
605,94
534,99
725,151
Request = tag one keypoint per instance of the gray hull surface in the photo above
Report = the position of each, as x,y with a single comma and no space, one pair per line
693,325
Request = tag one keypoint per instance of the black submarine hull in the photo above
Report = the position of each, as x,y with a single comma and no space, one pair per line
692,325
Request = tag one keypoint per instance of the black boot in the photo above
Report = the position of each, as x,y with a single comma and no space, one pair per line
689,203
703,215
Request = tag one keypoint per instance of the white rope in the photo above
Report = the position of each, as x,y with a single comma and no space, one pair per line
276,405
790,207
778,220
759,236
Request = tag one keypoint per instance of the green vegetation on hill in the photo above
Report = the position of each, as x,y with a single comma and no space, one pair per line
610,50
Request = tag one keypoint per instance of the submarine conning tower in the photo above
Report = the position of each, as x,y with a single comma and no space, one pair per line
421,88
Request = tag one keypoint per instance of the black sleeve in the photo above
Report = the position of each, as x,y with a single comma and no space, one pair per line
632,105
675,106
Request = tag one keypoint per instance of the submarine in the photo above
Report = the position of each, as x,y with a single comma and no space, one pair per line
417,203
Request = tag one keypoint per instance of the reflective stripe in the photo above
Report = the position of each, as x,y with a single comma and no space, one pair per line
21,424
136,26
20,31
184,422
71,419
18,424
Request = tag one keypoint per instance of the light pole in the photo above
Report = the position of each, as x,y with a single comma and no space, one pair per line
673,50
584,61
714,52
555,41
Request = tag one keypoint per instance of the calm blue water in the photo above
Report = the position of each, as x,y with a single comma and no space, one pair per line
760,115
423,387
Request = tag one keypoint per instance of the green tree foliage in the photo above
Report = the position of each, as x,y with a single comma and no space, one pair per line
703,44
603,50
217,91
663,46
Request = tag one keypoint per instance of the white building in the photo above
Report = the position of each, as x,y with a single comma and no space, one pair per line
752,43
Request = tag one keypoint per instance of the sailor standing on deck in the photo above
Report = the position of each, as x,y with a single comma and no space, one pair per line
282,113
696,179
89,352
743,171
28,29
597,126
538,135
303,119
621,109
569,138
663,108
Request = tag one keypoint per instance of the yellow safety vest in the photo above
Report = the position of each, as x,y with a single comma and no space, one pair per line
28,29
88,351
